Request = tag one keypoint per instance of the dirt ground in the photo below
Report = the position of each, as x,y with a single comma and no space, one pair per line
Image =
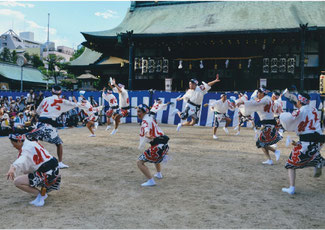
207,184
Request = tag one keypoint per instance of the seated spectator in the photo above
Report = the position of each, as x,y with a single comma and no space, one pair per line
6,102
2,111
13,106
5,125
20,121
72,118
30,97
39,99
22,104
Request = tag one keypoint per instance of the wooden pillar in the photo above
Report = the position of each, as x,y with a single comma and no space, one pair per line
131,58
321,50
303,28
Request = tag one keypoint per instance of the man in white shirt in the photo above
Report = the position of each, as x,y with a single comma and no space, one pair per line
124,103
151,133
306,152
242,115
40,169
49,109
269,134
157,106
90,112
193,97
277,109
113,110
20,120
220,109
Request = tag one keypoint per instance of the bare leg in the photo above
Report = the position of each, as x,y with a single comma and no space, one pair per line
228,121
266,152
144,169
89,126
117,121
158,173
108,120
214,130
22,182
59,150
270,148
292,176
186,123
158,167
292,179
193,122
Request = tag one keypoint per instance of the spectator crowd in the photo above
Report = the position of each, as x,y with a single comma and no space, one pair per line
20,112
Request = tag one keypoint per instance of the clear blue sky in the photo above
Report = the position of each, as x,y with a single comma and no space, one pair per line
67,18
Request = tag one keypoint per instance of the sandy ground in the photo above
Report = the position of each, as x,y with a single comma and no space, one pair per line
207,184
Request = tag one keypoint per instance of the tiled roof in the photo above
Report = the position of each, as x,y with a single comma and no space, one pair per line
219,17
29,74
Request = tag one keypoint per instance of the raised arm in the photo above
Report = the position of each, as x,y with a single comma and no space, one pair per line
109,84
116,86
211,83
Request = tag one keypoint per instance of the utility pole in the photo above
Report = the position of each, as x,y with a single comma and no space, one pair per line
48,27
21,78
47,49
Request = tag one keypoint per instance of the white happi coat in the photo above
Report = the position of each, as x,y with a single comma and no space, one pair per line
52,107
158,106
196,95
31,157
277,107
150,126
221,107
123,97
88,108
241,108
302,121
110,98
263,107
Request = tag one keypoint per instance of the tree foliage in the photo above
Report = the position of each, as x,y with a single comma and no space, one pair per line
5,55
77,53
36,61
27,56
14,56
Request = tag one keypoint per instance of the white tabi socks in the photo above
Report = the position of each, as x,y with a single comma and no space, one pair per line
39,201
226,130
277,154
150,182
178,127
114,131
288,141
158,175
290,190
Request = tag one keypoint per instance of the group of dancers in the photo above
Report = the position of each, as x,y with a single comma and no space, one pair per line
40,169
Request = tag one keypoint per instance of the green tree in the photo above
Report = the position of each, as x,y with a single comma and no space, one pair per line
53,62
77,53
5,55
14,56
27,56
47,73
36,61
69,81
